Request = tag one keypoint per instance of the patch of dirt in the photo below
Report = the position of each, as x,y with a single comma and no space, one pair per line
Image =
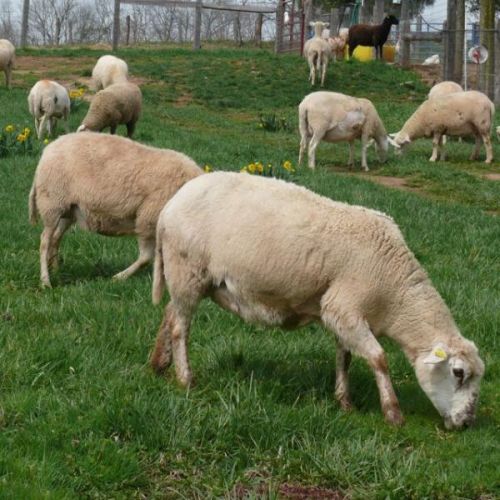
183,100
71,74
433,74
492,176
286,490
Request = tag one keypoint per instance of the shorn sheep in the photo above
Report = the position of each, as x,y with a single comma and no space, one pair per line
108,185
350,269
48,101
371,35
335,117
108,70
118,104
7,59
457,114
317,52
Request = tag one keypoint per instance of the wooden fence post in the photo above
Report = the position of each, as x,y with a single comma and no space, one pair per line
24,23
449,58
127,37
280,12
197,26
497,64
405,32
258,29
116,25
378,12
459,41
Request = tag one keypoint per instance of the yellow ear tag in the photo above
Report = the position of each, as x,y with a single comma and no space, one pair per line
440,353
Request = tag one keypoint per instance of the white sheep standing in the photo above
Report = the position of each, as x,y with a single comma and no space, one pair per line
457,114
7,59
337,46
335,117
345,266
317,52
48,101
108,185
118,104
108,70
444,88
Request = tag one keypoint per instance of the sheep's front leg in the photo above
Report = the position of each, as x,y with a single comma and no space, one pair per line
343,360
41,127
436,142
365,144
488,147
442,142
146,254
355,335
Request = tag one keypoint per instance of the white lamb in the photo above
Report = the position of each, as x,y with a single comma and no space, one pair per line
47,102
458,114
108,70
108,185
335,117
444,88
118,104
337,46
7,59
317,52
345,266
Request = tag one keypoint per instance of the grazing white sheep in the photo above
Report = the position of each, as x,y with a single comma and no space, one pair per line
7,59
345,266
335,117
108,70
118,104
108,185
458,114
337,46
47,102
317,51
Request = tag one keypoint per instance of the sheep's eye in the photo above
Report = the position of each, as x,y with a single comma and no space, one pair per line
459,373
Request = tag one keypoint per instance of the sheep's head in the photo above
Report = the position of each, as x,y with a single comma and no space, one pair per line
318,26
399,140
451,379
391,19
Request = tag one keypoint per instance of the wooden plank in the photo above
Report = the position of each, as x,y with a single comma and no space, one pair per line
188,4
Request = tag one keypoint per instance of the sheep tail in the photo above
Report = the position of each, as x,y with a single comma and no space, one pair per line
33,210
158,272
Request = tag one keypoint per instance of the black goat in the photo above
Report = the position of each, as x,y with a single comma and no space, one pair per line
371,35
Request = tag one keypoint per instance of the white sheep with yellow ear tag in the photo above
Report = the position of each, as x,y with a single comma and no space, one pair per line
437,355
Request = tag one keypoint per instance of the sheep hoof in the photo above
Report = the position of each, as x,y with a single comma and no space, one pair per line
394,417
160,363
120,276
346,405
45,283
187,382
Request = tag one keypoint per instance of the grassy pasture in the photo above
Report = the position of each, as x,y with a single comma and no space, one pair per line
82,415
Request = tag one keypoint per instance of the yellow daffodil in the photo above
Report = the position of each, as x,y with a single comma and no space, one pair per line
46,141
259,167
207,169
244,170
287,165
251,168
26,131
9,128
21,138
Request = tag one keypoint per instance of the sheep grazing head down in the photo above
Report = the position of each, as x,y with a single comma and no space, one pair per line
451,381
399,141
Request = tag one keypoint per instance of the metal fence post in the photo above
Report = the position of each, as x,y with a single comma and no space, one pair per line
497,64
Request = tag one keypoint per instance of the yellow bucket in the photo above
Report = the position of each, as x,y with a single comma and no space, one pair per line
365,54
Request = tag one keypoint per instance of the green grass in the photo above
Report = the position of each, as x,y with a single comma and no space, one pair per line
81,413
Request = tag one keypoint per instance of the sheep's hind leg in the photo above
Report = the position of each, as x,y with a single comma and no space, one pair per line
311,154
130,129
477,149
45,251
146,254
343,360
61,228
355,335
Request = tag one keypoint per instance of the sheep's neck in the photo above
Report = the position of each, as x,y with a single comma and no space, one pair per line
423,319
415,125
318,30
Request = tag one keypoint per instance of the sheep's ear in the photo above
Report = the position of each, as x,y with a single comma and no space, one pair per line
439,353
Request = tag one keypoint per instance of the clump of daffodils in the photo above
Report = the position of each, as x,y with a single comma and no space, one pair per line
207,169
15,140
76,97
280,171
